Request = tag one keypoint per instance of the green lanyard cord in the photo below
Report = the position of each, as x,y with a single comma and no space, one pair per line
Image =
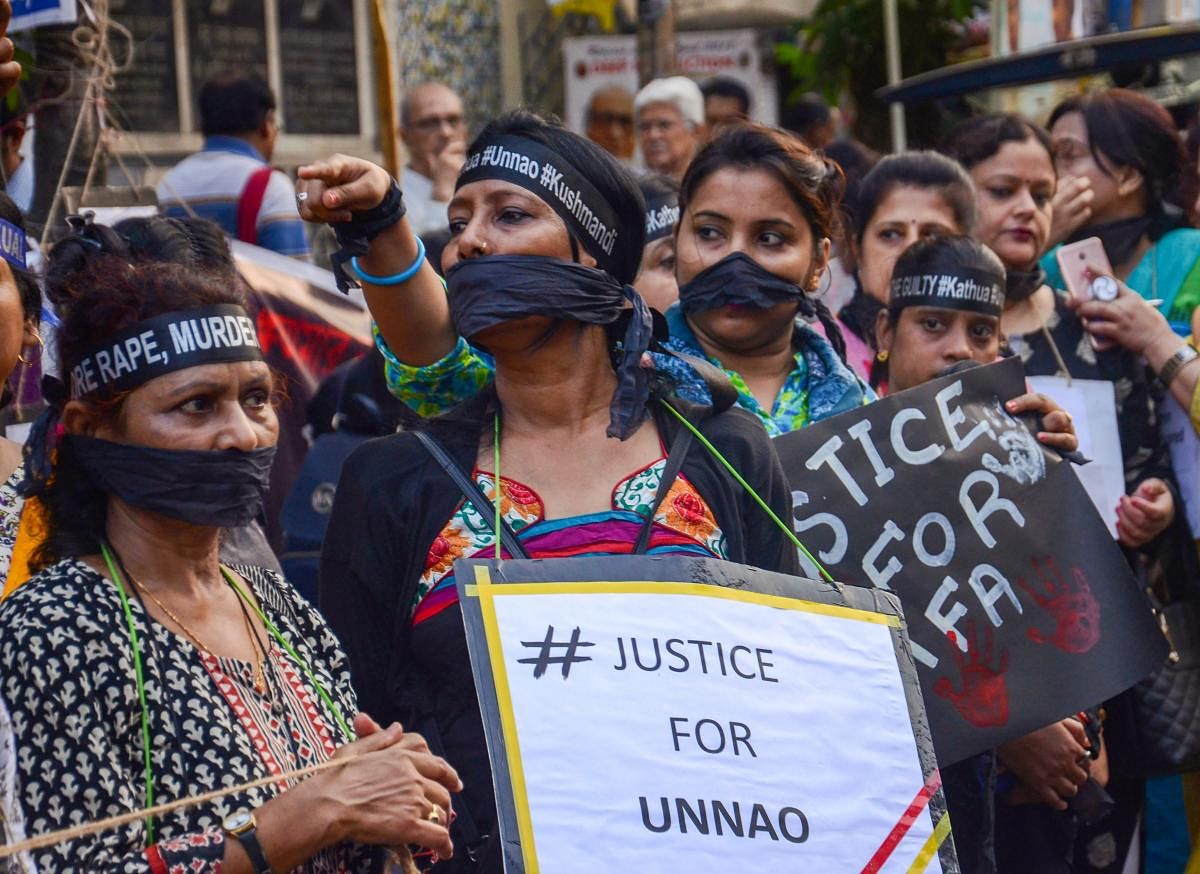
791,535
135,643
312,678
496,465
141,686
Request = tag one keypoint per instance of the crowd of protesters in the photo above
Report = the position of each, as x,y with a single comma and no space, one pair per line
586,381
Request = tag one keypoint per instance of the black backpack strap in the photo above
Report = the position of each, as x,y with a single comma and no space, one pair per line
471,492
675,456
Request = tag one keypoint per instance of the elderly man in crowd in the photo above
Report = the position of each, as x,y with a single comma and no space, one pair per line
670,124
608,121
434,131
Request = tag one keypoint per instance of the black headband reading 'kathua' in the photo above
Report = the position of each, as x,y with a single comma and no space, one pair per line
948,273
588,215
662,214
215,334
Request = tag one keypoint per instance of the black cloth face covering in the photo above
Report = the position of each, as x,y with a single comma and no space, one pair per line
485,292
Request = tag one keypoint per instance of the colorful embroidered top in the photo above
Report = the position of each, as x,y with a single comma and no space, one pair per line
819,386
683,525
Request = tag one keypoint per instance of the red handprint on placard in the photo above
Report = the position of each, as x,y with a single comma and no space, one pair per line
1076,613
983,699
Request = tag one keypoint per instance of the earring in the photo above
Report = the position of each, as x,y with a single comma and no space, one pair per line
881,356
25,361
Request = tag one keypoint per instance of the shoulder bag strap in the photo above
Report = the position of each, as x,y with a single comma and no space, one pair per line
471,492
250,203
675,456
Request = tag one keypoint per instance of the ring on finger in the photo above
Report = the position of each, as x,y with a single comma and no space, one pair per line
301,197
434,816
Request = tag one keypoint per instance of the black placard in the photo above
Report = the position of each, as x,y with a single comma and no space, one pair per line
226,37
320,76
146,95
939,495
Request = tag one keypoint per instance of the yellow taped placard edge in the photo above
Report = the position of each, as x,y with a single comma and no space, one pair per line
483,590
696,589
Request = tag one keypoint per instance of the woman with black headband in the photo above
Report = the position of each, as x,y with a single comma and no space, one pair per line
20,313
655,281
530,277
757,212
944,308
139,669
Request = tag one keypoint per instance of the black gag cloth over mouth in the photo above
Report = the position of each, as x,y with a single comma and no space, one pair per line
213,488
485,292
589,217
740,280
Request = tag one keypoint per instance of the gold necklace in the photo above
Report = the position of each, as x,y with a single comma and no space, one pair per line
260,680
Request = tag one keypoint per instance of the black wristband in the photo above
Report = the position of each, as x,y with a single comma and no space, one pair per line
355,236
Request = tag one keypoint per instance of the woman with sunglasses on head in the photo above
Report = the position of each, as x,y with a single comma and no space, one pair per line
581,451
137,667
1010,161
1122,152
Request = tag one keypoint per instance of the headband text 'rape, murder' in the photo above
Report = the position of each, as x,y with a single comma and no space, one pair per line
216,334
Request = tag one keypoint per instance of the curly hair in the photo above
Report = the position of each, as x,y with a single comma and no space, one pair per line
103,280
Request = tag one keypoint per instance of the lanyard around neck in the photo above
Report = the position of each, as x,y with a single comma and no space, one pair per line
139,672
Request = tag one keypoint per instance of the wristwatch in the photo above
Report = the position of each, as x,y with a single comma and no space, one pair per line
241,827
1185,353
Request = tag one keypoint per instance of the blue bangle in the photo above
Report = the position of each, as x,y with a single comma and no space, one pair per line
395,278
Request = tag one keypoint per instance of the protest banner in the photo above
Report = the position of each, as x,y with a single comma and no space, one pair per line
1020,607
709,716
734,54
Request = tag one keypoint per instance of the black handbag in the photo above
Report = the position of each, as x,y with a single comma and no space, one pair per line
1155,726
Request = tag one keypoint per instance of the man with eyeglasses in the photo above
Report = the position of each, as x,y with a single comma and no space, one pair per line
670,124
609,117
434,132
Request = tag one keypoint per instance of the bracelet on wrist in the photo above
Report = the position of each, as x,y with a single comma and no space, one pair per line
1183,355
355,236
396,278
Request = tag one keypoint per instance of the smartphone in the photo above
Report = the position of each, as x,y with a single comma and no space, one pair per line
1080,263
